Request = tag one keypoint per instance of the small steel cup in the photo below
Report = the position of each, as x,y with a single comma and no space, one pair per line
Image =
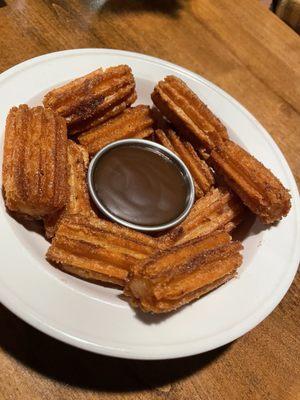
158,149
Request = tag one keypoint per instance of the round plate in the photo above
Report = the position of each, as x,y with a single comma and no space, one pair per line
95,317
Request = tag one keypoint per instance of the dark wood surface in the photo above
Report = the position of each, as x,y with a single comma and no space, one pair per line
246,50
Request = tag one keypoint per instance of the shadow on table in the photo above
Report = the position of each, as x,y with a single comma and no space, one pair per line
86,370
170,7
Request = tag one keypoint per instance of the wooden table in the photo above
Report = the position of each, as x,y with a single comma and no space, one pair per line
243,48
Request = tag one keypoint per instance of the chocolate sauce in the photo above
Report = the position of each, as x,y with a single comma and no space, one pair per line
140,185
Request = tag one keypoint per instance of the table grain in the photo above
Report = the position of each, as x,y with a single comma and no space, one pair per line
246,50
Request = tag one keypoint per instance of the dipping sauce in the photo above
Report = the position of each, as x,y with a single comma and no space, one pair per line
140,185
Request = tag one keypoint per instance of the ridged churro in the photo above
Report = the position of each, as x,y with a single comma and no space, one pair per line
94,98
183,108
102,250
78,199
34,162
220,209
134,122
201,173
256,185
177,276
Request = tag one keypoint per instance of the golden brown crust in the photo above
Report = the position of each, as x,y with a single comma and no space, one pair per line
34,162
134,122
117,277
201,173
78,200
91,244
176,276
219,209
94,98
188,113
256,185
160,122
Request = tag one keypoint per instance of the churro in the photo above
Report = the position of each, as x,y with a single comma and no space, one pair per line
183,108
78,199
34,162
94,98
102,250
256,185
201,173
134,122
177,276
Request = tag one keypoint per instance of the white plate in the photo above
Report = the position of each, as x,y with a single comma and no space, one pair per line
94,317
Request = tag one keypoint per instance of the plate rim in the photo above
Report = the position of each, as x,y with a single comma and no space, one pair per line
269,305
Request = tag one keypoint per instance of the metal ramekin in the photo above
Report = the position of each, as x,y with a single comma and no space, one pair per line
158,148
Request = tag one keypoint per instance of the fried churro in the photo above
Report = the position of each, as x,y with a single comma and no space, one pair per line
256,185
174,277
94,98
99,249
188,113
78,200
134,122
220,209
34,162
201,173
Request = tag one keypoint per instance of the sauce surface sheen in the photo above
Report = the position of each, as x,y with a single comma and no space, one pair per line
140,185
